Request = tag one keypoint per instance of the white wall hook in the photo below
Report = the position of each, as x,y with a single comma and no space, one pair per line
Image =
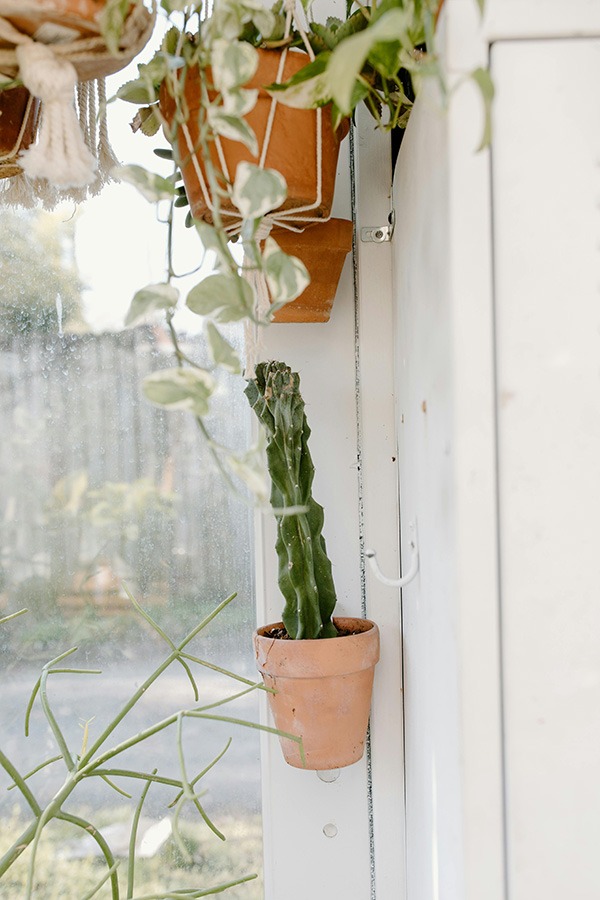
412,569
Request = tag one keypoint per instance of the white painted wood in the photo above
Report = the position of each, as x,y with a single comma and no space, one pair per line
359,863
447,475
380,502
301,861
532,19
547,223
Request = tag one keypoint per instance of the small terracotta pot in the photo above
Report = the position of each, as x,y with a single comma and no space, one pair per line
292,148
323,248
19,113
322,692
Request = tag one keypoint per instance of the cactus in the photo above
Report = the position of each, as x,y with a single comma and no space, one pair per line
305,577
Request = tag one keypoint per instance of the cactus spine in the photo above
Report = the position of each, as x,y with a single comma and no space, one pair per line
305,577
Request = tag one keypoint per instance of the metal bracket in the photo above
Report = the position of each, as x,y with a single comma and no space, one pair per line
379,234
412,569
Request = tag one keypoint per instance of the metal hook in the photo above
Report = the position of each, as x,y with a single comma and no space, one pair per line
412,570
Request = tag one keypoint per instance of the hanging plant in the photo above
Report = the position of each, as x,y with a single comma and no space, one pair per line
61,51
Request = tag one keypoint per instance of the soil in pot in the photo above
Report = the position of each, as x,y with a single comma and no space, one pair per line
322,691
292,144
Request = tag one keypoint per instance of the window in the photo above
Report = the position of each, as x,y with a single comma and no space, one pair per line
102,492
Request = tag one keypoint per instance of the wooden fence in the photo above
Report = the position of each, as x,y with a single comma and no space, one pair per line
139,495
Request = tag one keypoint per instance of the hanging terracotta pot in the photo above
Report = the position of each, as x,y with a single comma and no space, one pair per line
19,113
292,144
323,248
72,29
322,691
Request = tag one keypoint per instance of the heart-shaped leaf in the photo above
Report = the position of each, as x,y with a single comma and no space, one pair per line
287,276
225,298
256,191
148,300
179,388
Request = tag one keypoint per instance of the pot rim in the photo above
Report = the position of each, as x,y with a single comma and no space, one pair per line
318,658
368,622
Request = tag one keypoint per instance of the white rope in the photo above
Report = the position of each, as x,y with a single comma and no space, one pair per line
295,219
60,154
17,191
72,153
107,160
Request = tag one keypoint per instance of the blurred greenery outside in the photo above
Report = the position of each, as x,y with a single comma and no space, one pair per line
209,863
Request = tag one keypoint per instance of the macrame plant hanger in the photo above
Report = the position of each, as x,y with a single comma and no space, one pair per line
72,157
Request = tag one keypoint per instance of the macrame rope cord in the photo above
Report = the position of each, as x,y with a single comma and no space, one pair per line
61,154
72,152
294,219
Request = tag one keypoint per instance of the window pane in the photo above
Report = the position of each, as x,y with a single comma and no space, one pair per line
101,491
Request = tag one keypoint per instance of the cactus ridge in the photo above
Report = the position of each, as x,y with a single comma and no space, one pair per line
305,576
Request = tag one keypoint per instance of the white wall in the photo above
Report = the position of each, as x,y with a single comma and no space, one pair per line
546,179
498,336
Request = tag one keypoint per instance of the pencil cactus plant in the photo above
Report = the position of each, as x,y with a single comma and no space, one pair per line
305,576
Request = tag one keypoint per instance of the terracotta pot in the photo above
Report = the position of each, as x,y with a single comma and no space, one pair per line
323,248
292,148
19,113
323,692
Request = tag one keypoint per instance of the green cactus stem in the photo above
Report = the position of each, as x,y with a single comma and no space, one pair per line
305,577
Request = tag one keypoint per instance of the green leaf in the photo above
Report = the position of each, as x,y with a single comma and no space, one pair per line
149,300
483,80
265,20
325,35
250,467
221,351
138,91
211,239
233,128
178,388
171,6
256,191
349,57
233,64
306,89
287,276
112,20
226,298
239,102
147,120
386,57
150,185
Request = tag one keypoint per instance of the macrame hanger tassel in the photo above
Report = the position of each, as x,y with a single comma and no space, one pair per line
107,161
60,155
18,191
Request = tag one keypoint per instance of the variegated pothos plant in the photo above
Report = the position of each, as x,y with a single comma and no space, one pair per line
376,55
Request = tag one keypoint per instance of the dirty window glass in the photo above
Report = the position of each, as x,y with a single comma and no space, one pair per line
104,497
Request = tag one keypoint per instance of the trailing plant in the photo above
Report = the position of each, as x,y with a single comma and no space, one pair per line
97,758
376,56
305,577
